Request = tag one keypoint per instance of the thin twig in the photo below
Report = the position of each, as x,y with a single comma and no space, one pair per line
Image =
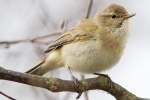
89,9
47,35
7,96
32,40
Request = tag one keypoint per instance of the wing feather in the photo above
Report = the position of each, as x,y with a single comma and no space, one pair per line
80,32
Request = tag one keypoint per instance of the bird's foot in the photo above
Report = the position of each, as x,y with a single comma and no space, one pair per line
77,85
76,82
108,78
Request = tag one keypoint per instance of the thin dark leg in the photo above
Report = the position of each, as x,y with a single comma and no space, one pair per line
75,80
108,78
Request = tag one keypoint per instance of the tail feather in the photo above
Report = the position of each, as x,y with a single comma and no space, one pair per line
36,68
51,62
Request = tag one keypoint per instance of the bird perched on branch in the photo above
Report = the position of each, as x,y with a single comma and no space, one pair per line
92,46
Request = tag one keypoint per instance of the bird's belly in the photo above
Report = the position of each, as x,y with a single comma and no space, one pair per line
89,57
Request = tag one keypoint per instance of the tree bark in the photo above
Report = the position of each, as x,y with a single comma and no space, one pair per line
58,85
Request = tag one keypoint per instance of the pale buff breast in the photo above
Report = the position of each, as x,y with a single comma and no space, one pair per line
89,57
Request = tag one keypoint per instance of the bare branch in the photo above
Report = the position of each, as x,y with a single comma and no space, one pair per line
89,9
7,96
32,40
58,85
47,35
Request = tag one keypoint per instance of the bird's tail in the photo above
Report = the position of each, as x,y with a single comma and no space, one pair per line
36,70
51,62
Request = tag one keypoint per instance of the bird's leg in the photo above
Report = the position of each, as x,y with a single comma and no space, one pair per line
75,80
108,78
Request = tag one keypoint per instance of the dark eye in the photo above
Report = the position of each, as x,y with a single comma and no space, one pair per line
113,16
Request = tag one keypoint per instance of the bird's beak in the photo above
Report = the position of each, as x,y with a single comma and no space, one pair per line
126,16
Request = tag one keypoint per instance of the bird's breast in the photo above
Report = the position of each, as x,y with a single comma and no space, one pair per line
89,56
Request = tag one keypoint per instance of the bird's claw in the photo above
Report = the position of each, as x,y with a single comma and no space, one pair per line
108,78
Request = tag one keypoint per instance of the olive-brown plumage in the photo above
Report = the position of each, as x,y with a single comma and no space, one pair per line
93,45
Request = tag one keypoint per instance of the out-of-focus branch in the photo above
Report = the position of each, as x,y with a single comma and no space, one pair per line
7,96
58,85
89,9
32,40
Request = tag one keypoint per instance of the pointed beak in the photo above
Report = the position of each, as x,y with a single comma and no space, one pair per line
126,16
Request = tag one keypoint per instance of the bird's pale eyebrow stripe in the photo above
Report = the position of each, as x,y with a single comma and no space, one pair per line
106,15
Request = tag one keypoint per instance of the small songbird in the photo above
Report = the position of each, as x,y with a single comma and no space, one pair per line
92,46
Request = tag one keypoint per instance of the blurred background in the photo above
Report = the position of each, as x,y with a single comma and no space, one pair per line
30,19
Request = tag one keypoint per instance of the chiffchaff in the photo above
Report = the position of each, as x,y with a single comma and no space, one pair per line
92,46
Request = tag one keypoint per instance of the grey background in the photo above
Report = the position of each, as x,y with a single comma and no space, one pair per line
21,19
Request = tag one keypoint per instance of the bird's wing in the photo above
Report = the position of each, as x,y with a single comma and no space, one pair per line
78,33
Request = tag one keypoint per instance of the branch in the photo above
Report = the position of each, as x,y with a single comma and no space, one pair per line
32,40
89,9
7,96
58,85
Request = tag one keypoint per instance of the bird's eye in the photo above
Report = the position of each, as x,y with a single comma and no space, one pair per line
113,16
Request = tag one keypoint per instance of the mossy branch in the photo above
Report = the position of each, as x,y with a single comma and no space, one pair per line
58,85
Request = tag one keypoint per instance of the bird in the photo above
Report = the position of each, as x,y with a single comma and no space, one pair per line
92,46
